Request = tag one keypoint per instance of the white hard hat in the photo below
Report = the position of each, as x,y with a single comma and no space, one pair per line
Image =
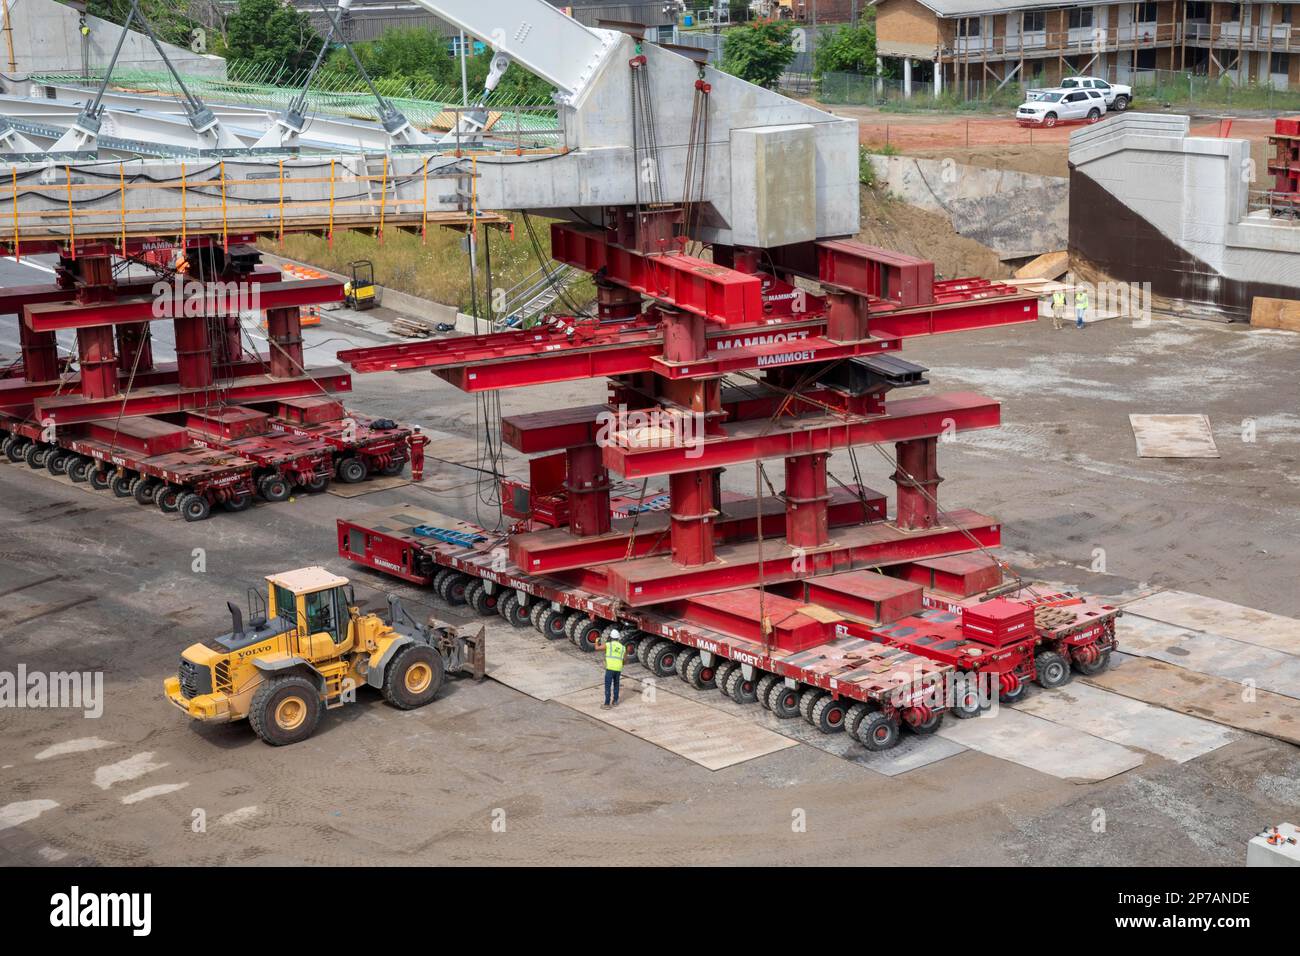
615,634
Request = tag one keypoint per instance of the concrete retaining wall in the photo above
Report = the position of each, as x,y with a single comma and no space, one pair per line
1015,214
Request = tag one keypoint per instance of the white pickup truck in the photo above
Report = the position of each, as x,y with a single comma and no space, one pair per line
1117,96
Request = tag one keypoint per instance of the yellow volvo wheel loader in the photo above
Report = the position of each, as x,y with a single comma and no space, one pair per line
306,649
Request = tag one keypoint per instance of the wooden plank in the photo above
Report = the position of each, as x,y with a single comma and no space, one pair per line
699,733
1173,436
1266,313
1202,695
1198,613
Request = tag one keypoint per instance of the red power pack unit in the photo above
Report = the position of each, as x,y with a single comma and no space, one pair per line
998,622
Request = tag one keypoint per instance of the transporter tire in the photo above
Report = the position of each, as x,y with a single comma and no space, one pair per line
661,659
352,470
236,504
1088,670
1053,669
535,612
808,700
828,715
483,602
1018,693
698,675
122,483
56,463
632,640
551,623
643,648
317,483
274,488
783,701
393,468
17,448
145,490
571,621
877,731
684,661
586,634
6,442
79,470
513,611
100,479
285,710
442,574
35,454
764,688
966,701
194,507
168,499
414,677
931,725
455,588
743,691
853,716
721,673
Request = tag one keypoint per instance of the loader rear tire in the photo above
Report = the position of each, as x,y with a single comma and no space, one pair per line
414,677
285,710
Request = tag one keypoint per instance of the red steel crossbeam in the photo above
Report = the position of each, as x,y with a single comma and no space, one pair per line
54,316
555,549
654,580
882,273
17,393
905,419
693,285
164,399
13,298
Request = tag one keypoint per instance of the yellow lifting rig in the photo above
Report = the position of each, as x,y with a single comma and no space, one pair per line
308,650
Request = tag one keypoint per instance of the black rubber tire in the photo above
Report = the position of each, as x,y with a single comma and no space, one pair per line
35,454
571,621
877,731
270,696
484,603
1049,120
783,701
17,450
1090,670
684,661
393,468
121,484
661,660
317,483
535,612
168,499
100,479
454,589
551,624
586,634
352,470
721,673
966,701
80,469
853,716
828,715
1052,669
1094,114
56,463
435,584
396,690
764,688
808,700
513,612
274,488
6,440
699,676
235,504
743,691
194,507
143,491
929,727
632,641
1120,104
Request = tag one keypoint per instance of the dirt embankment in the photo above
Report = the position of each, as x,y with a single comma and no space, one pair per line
894,224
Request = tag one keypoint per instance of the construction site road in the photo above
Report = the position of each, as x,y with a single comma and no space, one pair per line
489,774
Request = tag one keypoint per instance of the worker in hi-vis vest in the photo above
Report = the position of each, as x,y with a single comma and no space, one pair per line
1080,307
1058,309
615,650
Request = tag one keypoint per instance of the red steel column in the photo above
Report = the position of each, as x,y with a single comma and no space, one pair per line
615,302
684,338
845,317
917,479
40,353
806,499
98,362
588,487
133,336
193,352
284,330
691,497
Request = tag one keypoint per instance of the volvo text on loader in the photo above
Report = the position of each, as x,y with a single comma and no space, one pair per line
308,650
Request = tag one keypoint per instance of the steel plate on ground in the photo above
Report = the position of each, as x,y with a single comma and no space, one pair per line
1042,745
1199,613
526,661
1173,436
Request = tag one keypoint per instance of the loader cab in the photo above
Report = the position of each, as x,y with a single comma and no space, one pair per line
312,601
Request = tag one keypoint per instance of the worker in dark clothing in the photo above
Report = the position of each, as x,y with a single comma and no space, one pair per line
615,651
